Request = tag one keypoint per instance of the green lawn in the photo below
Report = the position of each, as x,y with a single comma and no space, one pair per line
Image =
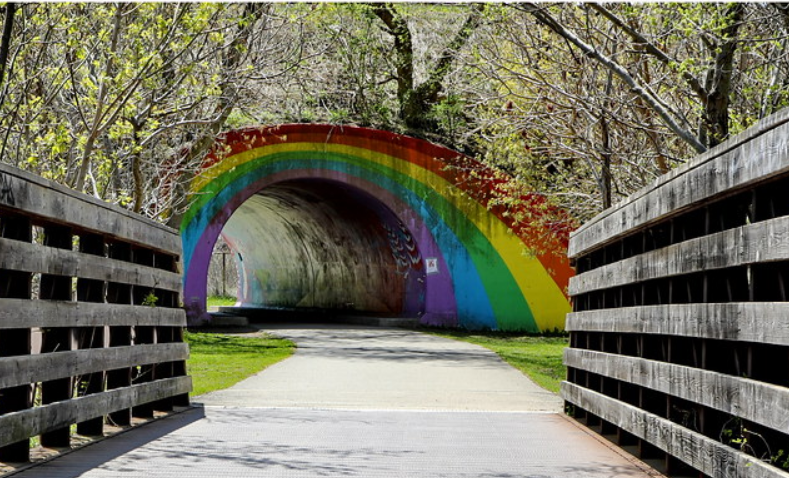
540,358
220,301
218,361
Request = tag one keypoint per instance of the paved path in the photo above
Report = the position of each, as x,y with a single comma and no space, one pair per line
377,368
362,402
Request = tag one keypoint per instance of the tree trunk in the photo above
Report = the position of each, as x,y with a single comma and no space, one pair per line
136,164
415,101
404,58
606,178
716,109
5,42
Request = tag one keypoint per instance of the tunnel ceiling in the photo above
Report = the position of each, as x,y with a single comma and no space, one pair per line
318,204
326,245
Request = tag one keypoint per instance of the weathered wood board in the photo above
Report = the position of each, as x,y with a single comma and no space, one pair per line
22,370
761,322
34,421
680,329
31,195
91,322
766,241
759,402
709,456
35,258
21,313
760,153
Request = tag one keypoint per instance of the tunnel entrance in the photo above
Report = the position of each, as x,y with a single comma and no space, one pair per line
324,246
353,219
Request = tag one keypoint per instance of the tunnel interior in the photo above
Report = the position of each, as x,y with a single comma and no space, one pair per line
323,245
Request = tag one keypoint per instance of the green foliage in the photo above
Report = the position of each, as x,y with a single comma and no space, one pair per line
220,301
450,115
736,434
107,93
781,460
122,100
150,300
217,361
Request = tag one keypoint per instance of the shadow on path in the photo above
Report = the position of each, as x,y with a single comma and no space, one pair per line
305,443
444,409
80,461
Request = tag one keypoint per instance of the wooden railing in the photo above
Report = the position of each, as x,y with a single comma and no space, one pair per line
680,329
91,328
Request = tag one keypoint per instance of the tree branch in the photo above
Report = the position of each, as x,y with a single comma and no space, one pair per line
650,48
403,46
719,85
539,13
225,104
94,130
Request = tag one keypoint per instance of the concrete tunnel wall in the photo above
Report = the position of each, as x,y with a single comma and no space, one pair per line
323,197
326,245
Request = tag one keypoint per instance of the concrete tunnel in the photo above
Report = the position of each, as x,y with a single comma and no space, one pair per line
321,244
354,220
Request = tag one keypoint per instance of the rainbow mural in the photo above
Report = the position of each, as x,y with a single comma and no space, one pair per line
470,265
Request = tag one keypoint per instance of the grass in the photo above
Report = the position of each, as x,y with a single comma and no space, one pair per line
220,301
218,361
539,357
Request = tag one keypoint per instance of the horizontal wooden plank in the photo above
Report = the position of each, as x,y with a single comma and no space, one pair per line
25,192
758,154
29,257
22,313
765,241
703,453
755,401
23,370
18,426
745,321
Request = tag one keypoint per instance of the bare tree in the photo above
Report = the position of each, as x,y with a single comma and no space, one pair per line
592,101
580,103
416,99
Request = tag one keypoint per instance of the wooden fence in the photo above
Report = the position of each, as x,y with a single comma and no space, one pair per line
680,329
91,329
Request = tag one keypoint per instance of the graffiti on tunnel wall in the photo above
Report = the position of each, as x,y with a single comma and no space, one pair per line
403,247
486,271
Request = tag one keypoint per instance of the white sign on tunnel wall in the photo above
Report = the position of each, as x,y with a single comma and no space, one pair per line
431,264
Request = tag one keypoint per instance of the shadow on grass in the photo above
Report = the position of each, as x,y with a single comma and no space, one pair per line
491,334
218,343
